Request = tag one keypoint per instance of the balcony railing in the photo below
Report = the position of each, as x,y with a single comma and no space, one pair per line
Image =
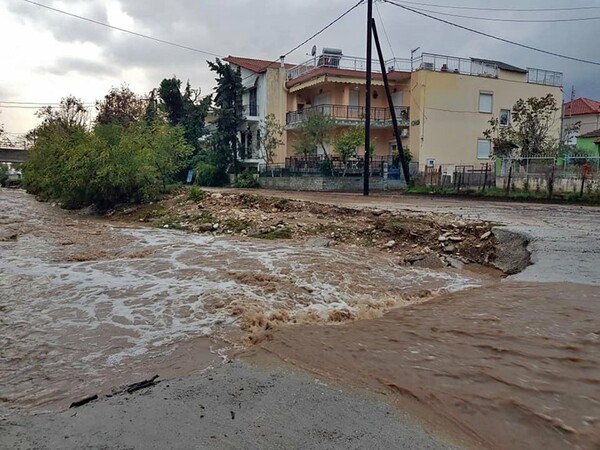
345,113
427,61
346,63
547,77
251,110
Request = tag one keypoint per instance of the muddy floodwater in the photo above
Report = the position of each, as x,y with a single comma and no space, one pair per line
86,305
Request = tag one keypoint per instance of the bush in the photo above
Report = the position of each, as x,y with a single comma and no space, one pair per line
210,175
106,166
247,180
196,194
3,174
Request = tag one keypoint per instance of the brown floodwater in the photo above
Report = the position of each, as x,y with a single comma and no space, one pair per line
88,305
511,366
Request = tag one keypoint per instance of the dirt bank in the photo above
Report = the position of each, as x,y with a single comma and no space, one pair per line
421,240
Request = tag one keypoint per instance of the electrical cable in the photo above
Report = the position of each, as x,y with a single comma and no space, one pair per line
498,19
577,8
491,36
97,22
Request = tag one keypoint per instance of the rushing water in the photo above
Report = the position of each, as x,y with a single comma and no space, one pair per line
86,305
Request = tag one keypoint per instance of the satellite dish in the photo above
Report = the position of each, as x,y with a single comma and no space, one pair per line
313,52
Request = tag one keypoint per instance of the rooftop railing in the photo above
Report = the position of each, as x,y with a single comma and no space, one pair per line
427,61
547,77
346,63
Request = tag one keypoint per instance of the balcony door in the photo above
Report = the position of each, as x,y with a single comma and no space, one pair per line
354,109
253,102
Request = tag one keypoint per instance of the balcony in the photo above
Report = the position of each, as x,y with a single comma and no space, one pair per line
547,77
350,115
251,110
346,63
482,68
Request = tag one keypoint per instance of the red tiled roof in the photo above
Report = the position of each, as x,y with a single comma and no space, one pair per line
591,134
392,76
581,106
255,65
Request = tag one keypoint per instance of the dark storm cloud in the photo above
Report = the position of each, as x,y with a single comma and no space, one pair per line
65,66
268,28
64,28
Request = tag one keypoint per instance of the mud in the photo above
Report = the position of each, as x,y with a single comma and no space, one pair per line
509,367
89,304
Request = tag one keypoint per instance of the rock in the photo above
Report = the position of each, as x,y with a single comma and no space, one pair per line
512,255
430,262
442,239
217,195
215,226
166,226
455,263
485,236
412,258
318,242
205,227
449,249
455,238
377,212
9,237
389,244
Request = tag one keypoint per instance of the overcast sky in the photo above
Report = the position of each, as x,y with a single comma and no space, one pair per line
45,55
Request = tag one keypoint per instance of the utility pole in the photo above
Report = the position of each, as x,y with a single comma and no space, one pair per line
388,92
368,99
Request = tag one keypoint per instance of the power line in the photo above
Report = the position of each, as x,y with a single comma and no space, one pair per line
498,19
97,22
329,25
385,31
578,8
491,36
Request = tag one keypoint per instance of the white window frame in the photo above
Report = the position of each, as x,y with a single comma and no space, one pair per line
491,106
500,118
489,144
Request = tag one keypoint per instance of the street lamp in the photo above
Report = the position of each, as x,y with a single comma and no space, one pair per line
412,52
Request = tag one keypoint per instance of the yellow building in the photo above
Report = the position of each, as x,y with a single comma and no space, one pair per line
443,103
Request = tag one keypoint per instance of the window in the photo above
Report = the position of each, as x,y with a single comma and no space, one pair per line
484,149
504,117
485,102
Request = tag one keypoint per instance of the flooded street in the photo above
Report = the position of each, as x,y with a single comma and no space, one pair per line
87,305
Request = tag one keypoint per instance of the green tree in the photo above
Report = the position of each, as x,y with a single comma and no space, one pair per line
120,106
315,132
271,138
172,100
229,111
531,128
347,143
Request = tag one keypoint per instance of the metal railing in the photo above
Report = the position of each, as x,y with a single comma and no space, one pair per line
427,61
347,63
350,113
547,77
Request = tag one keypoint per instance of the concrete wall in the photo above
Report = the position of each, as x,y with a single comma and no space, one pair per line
446,106
587,145
539,183
329,184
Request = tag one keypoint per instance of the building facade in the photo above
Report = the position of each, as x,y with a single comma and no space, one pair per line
443,104
580,116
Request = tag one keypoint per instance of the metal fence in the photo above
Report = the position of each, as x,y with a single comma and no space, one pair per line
320,166
459,176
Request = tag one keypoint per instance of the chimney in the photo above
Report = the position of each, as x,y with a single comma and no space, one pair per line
282,60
